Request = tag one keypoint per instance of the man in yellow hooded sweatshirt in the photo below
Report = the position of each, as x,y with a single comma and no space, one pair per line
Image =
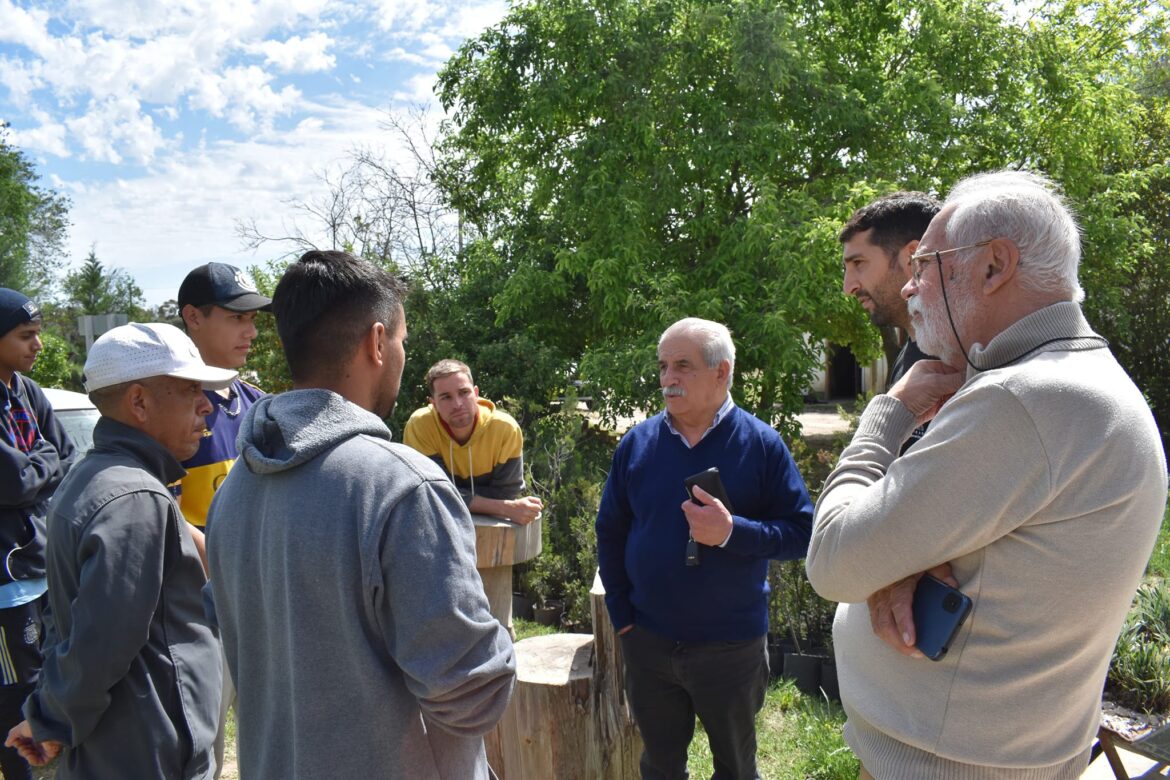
481,447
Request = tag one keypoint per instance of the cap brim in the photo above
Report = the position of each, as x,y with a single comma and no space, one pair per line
211,377
247,302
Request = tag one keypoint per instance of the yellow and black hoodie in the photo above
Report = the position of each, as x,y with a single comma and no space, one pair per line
490,464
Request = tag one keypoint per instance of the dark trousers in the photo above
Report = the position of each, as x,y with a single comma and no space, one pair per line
669,683
20,663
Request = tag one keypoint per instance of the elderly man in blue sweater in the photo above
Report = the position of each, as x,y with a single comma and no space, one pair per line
686,582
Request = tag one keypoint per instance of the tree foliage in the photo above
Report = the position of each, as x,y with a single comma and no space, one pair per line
33,226
630,162
96,289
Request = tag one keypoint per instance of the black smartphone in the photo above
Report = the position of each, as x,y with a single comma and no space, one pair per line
710,481
939,612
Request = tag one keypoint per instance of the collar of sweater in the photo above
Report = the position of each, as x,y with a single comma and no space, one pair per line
1062,321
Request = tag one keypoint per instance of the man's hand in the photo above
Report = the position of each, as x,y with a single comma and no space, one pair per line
36,753
625,630
891,610
926,387
710,523
524,510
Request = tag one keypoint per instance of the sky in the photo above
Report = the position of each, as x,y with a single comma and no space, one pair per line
166,123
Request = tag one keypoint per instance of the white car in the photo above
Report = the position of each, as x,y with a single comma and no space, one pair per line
76,414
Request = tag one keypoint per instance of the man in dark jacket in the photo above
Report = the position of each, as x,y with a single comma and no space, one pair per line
131,678
35,453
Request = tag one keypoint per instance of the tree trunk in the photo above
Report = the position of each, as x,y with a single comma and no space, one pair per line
568,719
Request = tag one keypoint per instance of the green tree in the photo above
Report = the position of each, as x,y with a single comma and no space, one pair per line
95,289
54,366
33,226
630,162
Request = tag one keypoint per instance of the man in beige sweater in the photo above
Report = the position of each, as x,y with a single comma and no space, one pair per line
1039,486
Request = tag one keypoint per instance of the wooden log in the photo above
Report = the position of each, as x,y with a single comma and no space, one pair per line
612,723
499,542
568,718
498,545
545,731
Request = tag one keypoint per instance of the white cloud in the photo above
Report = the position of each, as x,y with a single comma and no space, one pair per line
470,19
48,136
420,88
297,54
183,212
200,104
116,129
23,27
406,15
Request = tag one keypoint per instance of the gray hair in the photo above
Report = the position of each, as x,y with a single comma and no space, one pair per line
714,341
1027,209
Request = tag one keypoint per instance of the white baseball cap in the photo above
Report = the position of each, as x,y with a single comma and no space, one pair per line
142,350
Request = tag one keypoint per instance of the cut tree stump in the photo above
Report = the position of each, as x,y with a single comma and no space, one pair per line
568,718
498,545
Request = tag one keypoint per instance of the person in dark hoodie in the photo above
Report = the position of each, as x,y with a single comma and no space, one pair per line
35,453
343,565
130,683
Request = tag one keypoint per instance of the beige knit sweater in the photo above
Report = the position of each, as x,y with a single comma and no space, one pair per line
1043,484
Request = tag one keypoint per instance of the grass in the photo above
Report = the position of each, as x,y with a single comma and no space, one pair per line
1159,565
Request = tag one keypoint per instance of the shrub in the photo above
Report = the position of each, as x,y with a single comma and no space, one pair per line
1139,675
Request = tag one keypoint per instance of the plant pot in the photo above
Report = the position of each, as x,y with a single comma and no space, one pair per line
805,671
522,606
549,613
829,679
777,647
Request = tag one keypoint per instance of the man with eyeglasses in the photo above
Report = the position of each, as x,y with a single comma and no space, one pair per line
877,243
1038,491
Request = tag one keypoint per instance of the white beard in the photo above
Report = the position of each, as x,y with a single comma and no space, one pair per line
932,330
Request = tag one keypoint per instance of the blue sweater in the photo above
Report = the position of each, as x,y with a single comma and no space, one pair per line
642,531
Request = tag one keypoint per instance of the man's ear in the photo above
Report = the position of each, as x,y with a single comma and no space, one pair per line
192,317
724,372
904,255
374,342
999,265
136,402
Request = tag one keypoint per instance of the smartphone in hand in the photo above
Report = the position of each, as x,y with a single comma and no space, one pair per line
939,613
711,482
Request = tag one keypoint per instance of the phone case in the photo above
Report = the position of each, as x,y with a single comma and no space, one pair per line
939,613
710,481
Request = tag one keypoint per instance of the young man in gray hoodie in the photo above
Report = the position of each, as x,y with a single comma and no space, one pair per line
343,566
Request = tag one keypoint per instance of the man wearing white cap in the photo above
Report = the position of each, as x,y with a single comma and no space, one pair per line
130,683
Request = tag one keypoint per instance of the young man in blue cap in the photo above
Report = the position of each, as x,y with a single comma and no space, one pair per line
218,304
35,453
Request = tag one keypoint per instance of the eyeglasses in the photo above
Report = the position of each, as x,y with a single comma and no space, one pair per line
918,261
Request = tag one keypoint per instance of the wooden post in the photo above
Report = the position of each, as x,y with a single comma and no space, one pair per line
498,545
612,722
568,719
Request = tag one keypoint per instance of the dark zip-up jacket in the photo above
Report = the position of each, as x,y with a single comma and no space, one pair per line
27,480
131,676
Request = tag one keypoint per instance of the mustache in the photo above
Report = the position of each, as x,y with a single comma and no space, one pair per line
673,392
913,306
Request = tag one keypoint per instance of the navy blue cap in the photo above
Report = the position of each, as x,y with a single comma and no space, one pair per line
16,309
223,285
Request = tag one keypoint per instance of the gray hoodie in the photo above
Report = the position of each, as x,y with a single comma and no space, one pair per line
353,619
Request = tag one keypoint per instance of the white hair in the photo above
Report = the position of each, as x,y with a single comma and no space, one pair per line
714,341
1027,209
